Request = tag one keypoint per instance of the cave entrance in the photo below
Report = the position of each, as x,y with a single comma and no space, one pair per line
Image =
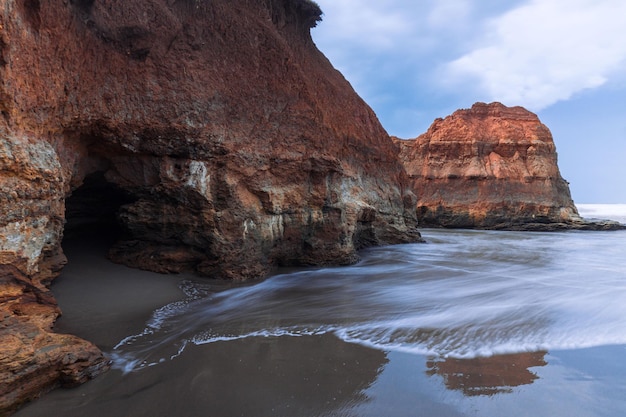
91,212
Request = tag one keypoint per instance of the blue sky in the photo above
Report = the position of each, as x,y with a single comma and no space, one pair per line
416,60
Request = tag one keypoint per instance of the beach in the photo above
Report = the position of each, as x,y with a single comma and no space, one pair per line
472,323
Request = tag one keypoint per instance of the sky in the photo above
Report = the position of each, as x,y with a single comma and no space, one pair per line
565,60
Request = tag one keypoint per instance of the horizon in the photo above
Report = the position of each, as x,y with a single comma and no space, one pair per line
413,62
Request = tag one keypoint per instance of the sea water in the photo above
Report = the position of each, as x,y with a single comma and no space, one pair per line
464,294
471,323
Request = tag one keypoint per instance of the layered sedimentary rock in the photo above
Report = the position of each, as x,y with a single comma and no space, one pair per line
213,133
32,358
490,166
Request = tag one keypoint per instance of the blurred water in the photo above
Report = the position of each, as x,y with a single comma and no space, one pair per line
464,294
615,212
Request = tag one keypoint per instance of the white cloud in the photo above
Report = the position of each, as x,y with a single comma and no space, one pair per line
375,24
546,51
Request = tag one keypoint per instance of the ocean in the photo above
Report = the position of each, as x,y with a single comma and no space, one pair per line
471,323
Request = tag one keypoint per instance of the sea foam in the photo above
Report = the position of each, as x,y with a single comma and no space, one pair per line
464,294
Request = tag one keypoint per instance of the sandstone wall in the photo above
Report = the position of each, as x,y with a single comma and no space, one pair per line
237,145
233,133
490,166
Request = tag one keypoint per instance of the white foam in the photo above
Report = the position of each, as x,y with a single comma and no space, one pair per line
616,212
461,296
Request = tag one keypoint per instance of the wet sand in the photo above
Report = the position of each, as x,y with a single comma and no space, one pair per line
265,376
316,375
104,302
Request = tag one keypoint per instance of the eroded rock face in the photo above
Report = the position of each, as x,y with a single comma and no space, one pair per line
235,143
240,144
490,166
34,360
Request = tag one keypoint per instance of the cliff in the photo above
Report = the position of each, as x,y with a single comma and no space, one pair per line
490,166
212,136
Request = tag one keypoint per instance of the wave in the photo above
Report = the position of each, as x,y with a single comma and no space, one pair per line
465,294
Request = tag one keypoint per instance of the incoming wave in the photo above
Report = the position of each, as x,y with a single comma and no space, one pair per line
465,294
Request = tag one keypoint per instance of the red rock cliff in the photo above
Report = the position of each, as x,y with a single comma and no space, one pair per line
220,136
490,166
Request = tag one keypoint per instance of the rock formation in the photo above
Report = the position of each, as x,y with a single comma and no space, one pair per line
32,358
490,166
214,134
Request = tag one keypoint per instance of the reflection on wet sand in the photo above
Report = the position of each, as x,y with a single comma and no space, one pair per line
283,376
278,347
487,376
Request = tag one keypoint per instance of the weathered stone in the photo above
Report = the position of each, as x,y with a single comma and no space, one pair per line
214,133
232,134
34,360
490,166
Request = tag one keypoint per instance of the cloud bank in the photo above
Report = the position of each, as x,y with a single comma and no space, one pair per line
532,53
545,51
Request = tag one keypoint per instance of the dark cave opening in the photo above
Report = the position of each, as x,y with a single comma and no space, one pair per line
91,211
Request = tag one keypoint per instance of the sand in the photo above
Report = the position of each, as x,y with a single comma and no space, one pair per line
318,375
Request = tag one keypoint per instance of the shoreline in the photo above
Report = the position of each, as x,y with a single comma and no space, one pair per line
89,289
104,302
315,375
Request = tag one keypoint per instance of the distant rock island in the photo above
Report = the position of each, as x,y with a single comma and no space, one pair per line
490,167
213,137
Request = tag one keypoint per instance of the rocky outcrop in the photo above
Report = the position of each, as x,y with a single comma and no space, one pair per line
34,360
238,145
490,166
213,134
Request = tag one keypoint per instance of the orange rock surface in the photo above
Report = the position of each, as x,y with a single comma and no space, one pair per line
490,166
217,135
32,358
